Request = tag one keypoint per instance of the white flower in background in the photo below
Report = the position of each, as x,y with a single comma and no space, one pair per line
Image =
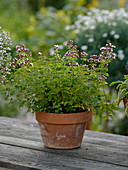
91,39
104,35
51,51
61,47
114,24
100,16
100,19
92,27
39,54
121,54
84,47
89,13
65,43
121,57
112,32
126,22
116,36
69,27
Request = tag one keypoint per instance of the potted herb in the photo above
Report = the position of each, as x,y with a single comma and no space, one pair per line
61,91
122,92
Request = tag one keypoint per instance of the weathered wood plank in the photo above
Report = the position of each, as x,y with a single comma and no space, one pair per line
16,125
24,159
87,151
19,129
97,147
1,168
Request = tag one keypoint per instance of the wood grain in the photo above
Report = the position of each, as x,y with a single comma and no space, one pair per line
21,148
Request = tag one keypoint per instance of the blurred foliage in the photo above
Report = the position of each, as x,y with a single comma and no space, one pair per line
48,28
14,20
120,127
59,4
8,110
40,26
103,4
99,27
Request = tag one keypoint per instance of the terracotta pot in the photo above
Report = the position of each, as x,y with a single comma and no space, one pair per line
62,131
89,123
125,100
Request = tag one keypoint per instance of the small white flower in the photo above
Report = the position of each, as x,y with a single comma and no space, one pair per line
51,51
126,22
31,64
112,32
68,27
116,36
91,39
65,43
104,35
24,99
39,54
56,46
84,47
61,46
121,56
120,52
92,27
3,77
100,19
8,48
114,24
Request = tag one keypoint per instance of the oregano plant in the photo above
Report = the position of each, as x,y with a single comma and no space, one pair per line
58,84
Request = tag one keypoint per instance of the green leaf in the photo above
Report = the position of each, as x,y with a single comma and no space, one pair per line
116,82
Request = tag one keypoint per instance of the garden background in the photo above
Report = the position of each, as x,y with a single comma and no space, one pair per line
90,23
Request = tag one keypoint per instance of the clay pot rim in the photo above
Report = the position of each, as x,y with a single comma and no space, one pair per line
63,118
125,100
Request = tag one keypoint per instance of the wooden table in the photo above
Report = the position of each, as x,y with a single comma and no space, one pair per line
21,148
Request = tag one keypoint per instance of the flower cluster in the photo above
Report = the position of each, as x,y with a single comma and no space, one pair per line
94,16
5,55
106,54
23,58
95,63
7,64
73,51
